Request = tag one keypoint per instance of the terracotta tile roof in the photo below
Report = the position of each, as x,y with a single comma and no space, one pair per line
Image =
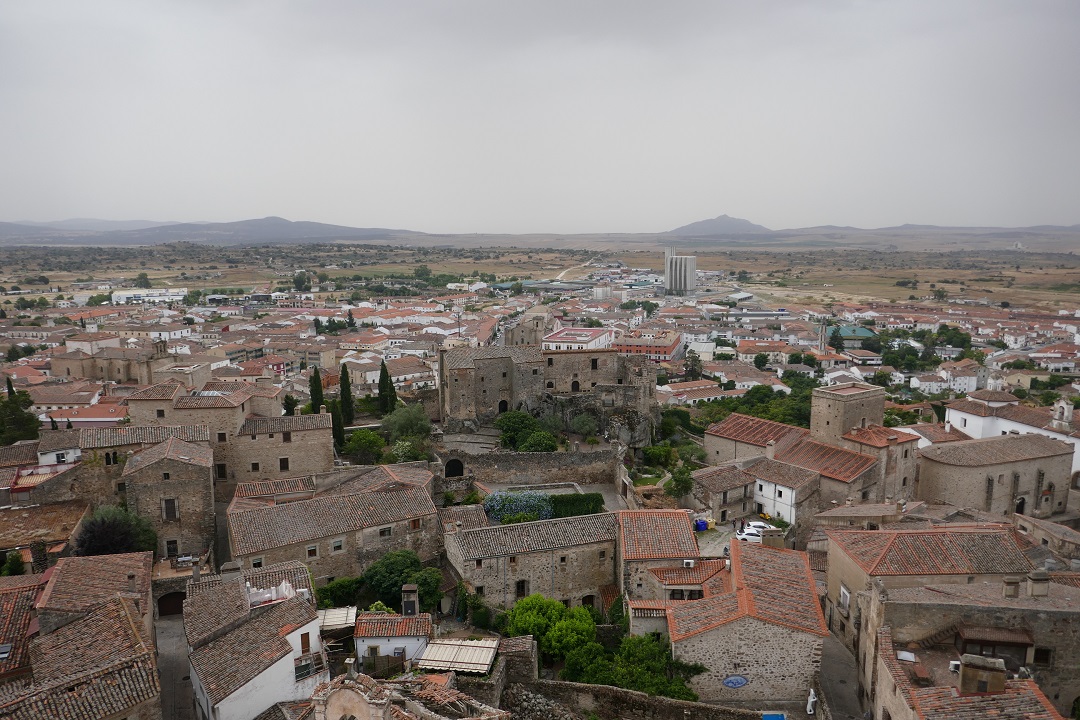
101,665
285,423
213,400
381,624
996,450
298,710
702,571
19,454
869,510
90,438
781,473
171,449
656,534
721,478
993,396
20,526
253,389
879,436
773,585
470,517
460,358
831,461
78,583
1072,579
945,551
222,670
385,477
1021,700
162,391
755,431
16,611
50,440
210,607
936,433
256,529
971,407
269,488
538,536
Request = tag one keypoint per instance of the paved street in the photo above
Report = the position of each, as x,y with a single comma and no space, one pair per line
839,680
173,669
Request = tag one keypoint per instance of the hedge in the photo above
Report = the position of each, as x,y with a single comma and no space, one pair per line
577,504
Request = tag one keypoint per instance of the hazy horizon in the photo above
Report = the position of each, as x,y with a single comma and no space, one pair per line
558,117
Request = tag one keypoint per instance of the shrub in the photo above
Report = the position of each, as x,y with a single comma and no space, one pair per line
576,504
518,518
341,592
111,530
516,426
540,441
507,504
584,424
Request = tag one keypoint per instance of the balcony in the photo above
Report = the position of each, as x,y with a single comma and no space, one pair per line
307,665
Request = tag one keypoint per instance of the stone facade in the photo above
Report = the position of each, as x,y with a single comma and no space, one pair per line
586,467
1028,474
611,703
573,573
176,495
839,408
751,648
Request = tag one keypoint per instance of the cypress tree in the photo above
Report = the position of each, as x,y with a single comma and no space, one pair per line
348,407
338,426
52,424
351,322
315,388
387,393
11,388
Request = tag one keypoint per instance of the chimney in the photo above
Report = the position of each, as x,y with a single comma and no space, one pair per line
1012,586
770,450
131,582
230,571
1038,583
350,668
772,537
948,426
847,501
980,674
410,600
195,571
322,409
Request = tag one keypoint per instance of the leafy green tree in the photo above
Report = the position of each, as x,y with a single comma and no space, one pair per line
427,583
575,629
407,450
315,389
387,391
659,455
408,421
539,441
13,564
692,365
365,446
761,360
881,378
535,615
142,280
680,482
16,421
515,427
387,574
380,606
836,340
289,404
422,272
340,592
584,424
301,282
113,529
348,405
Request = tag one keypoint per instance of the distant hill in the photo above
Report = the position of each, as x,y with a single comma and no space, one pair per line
94,225
723,225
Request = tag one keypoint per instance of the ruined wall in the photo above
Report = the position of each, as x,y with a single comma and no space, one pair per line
611,703
584,467
488,689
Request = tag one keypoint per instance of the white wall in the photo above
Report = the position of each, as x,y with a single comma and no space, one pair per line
776,500
414,646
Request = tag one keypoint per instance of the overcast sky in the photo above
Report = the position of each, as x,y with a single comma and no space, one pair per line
543,116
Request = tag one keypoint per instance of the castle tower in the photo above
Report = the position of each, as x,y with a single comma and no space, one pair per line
836,410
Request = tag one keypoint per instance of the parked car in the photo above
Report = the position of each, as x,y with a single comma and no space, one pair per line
759,525
749,535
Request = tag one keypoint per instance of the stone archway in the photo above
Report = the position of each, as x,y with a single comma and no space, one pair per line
171,604
454,468
503,406
575,386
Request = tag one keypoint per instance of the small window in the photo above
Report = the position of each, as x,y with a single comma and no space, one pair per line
386,532
313,551
221,437
905,452
219,471
562,559
172,548
760,487
283,464
550,362
504,374
414,524
286,437
1043,656
271,436
595,364
603,554
480,590
164,476
160,413
253,437
535,371
337,545
254,467
256,563
865,494
479,565
513,559
779,493
121,487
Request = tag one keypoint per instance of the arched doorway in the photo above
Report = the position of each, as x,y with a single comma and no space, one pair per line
1020,503
575,386
453,468
171,604
503,406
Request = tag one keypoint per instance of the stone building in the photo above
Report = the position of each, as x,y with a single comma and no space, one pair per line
477,384
531,328
280,447
839,408
336,534
650,539
569,559
114,364
171,486
726,490
1026,474
862,561
761,637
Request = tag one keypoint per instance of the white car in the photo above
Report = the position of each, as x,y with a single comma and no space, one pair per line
749,535
759,525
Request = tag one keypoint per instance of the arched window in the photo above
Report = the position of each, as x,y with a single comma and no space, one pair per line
454,468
